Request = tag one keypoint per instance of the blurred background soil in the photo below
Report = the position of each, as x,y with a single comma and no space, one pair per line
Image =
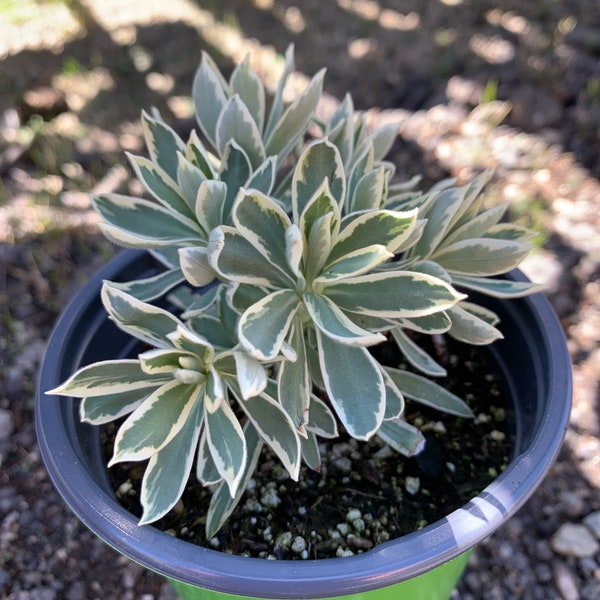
473,84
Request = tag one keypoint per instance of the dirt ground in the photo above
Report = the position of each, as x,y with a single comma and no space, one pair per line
474,84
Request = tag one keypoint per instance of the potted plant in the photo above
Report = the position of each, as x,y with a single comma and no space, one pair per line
277,262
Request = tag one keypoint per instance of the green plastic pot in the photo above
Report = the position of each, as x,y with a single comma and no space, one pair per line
425,564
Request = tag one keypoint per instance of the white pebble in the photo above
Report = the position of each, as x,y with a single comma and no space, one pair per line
412,485
298,545
573,539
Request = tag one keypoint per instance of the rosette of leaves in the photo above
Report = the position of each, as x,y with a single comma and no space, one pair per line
191,185
467,246
188,400
308,285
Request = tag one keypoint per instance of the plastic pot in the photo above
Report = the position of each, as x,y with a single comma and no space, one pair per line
532,356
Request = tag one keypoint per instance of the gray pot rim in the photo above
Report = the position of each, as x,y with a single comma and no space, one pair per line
392,562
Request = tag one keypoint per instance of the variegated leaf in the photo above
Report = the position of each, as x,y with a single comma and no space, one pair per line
189,178
277,102
157,420
432,268
215,391
153,287
161,186
383,227
161,360
383,139
481,256
354,384
169,469
311,455
211,328
320,162
427,392
209,92
107,377
293,123
199,156
264,326
319,207
293,381
232,256
468,328
251,375
439,217
318,245
332,322
222,503
187,340
140,223
477,226
294,252
235,171
342,122
206,471
355,263
394,400
498,288
438,322
487,315
402,437
274,427
99,410
263,179
416,356
235,122
227,445
246,83
321,421
210,203
142,320
195,266
369,191
511,232
163,144
264,224
394,295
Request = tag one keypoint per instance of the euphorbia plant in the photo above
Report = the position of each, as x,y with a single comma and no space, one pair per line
287,256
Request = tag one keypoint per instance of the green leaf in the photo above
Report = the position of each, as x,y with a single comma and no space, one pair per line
393,294
163,144
292,125
320,162
157,420
161,186
222,503
251,91
384,227
416,356
139,223
236,123
498,288
354,384
107,377
169,469
310,451
142,320
209,92
264,326
99,410
227,445
481,256
335,324
402,437
427,392
151,287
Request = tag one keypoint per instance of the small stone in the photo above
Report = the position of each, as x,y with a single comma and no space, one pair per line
270,498
284,539
343,528
592,522
576,540
298,545
412,485
341,552
565,581
353,514
6,425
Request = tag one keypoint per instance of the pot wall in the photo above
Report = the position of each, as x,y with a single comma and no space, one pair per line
533,357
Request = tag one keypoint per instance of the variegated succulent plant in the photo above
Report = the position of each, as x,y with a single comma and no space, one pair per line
287,256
